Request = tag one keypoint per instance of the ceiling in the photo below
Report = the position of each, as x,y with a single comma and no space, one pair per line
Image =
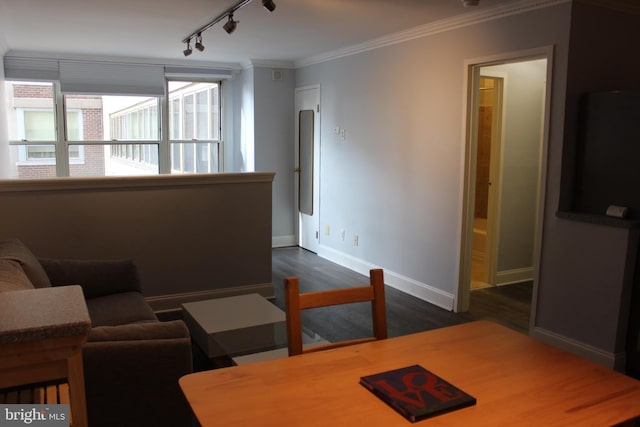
296,30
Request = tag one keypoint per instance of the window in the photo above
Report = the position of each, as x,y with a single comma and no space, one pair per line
194,126
79,134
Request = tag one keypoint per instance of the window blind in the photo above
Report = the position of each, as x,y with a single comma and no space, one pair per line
111,78
197,74
31,69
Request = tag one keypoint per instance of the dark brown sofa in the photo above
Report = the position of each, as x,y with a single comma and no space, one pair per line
132,361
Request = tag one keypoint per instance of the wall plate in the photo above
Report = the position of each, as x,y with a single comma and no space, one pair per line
617,211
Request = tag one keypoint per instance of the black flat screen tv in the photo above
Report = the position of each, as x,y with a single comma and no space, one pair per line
608,153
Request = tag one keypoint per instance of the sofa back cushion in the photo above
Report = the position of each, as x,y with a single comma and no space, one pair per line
12,276
15,250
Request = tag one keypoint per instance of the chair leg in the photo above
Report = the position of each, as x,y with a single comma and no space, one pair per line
294,320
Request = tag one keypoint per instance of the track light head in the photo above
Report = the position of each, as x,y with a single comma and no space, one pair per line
188,50
467,3
269,5
199,44
231,25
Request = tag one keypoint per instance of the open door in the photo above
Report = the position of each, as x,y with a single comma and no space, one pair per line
307,153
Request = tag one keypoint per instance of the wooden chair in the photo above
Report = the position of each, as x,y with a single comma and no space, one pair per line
296,302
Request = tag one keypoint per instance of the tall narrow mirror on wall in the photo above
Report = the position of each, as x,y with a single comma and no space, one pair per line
305,126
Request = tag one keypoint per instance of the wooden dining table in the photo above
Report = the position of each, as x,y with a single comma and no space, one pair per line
516,380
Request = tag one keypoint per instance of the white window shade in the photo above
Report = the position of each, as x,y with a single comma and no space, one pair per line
111,78
30,69
198,74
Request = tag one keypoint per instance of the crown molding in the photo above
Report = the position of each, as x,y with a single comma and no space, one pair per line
460,21
263,63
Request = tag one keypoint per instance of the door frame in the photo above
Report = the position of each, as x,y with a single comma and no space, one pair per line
298,222
471,83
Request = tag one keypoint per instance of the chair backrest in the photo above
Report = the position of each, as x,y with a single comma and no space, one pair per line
296,302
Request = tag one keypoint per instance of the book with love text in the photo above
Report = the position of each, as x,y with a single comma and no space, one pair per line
416,393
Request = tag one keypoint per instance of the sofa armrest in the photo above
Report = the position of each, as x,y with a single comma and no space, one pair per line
132,372
97,278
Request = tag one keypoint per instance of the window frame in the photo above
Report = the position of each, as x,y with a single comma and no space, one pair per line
182,146
165,145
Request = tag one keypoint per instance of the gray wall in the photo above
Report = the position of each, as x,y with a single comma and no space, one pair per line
584,277
190,236
397,179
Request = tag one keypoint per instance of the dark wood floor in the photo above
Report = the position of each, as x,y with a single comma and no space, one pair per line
508,305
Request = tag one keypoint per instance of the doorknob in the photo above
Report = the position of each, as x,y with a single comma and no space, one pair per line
297,170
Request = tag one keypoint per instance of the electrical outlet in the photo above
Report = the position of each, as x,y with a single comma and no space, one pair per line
355,240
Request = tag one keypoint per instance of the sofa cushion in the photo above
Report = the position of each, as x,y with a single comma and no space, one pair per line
14,249
97,277
12,276
140,331
119,309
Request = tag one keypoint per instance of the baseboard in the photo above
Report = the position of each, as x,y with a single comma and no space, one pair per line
172,302
516,275
616,361
402,283
283,241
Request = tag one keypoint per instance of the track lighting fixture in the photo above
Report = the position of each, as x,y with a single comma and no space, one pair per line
269,5
229,26
199,44
188,50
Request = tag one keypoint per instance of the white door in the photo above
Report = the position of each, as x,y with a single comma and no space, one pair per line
307,161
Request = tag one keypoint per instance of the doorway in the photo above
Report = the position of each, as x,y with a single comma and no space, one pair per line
506,142
307,169
489,131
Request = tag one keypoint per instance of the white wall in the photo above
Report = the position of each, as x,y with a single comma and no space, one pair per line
397,179
521,144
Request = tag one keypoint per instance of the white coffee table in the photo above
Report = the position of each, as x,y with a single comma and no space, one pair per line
236,326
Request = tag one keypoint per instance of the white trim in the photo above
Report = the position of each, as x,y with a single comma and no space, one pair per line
515,275
284,241
158,181
174,301
460,21
263,63
615,361
405,284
